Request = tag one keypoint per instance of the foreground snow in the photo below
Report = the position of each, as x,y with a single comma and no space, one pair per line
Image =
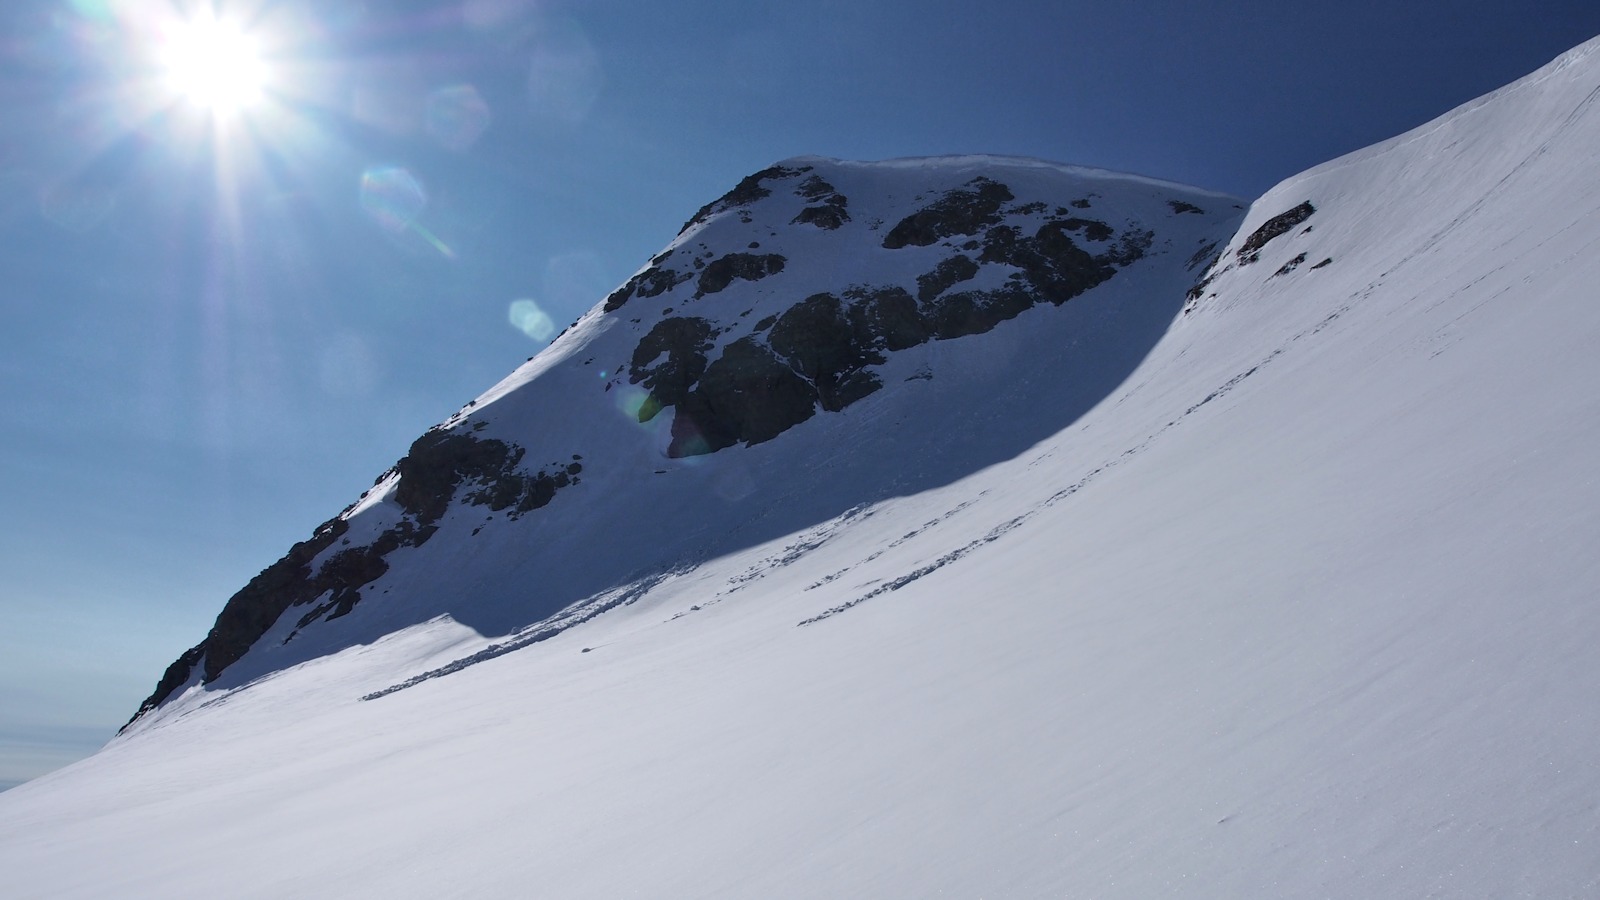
1304,607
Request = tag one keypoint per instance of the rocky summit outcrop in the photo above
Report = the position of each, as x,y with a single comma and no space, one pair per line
816,355
784,300
315,574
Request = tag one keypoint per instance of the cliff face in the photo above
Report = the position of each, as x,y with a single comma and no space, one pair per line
809,287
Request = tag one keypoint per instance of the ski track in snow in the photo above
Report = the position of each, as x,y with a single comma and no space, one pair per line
1012,524
544,630
807,541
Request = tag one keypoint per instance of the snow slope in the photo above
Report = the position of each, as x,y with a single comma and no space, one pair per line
1289,594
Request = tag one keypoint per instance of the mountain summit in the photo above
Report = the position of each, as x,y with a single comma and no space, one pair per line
853,304
974,526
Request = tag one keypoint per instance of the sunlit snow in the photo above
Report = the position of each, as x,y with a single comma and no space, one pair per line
1286,594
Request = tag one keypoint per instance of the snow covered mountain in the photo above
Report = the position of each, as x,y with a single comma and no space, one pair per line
974,526
804,349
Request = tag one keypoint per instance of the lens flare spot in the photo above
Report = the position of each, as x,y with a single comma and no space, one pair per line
457,116
393,197
528,318
631,399
692,448
96,9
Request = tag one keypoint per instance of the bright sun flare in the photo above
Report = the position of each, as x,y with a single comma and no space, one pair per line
214,65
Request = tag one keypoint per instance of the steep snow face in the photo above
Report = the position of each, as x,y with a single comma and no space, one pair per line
1291,595
843,302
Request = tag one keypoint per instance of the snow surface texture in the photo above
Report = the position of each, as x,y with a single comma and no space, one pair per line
1289,594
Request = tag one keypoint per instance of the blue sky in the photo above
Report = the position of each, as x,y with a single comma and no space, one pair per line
218,331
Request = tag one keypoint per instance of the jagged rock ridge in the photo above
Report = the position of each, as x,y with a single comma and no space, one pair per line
816,355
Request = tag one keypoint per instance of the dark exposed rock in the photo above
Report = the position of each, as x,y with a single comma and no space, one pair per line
351,569
1180,207
250,612
827,216
748,266
659,281
815,188
669,360
288,582
173,678
1199,288
1081,203
519,492
816,356
1130,248
823,346
1290,266
975,312
964,210
818,353
1058,266
747,395
1323,263
345,573
1278,225
1051,262
888,317
950,271
649,283
1092,229
437,464
747,191
616,298
1203,258
439,461
828,205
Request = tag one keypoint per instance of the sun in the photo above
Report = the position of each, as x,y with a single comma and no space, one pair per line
214,65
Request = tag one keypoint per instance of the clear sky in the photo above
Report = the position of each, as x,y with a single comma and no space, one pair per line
231,301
